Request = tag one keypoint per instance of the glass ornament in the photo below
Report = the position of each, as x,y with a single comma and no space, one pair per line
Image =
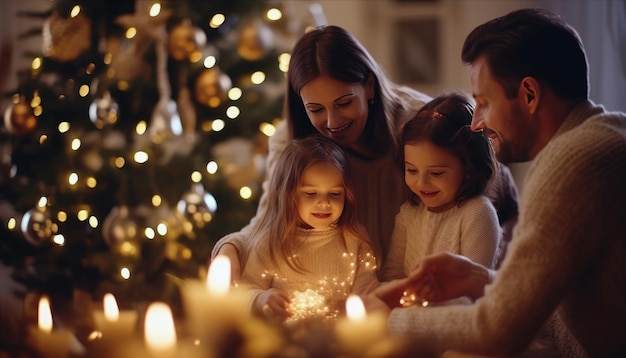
19,118
37,225
211,87
119,232
165,122
197,206
104,111
255,40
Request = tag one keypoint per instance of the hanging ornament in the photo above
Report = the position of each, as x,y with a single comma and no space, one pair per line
104,111
37,226
66,39
166,222
120,230
184,40
211,87
197,206
255,40
19,118
165,122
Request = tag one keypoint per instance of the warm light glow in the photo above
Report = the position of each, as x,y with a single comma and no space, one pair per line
218,277
119,162
245,192
36,101
92,182
141,157
141,127
37,111
111,311
83,90
62,216
131,32
82,215
44,317
75,11
217,20
156,200
93,221
234,93
162,229
274,14
211,167
267,128
59,239
43,201
125,273
64,127
159,329
355,310
11,224
232,112
36,64
155,9
43,139
217,125
149,232
75,144
283,61
196,176
72,179
257,77
209,61
90,68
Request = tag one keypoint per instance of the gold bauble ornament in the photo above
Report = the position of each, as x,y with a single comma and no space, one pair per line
184,40
19,119
255,40
66,39
211,87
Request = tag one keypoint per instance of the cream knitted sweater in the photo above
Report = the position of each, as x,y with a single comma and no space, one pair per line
567,255
334,268
470,230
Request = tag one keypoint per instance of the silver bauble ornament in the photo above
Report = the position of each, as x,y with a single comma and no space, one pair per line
197,206
120,230
37,226
165,122
104,111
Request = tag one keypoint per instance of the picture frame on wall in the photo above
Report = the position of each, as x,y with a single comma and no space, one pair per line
416,50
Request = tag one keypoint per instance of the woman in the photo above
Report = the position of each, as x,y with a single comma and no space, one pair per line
335,88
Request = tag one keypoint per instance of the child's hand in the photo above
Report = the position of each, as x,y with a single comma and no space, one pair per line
274,304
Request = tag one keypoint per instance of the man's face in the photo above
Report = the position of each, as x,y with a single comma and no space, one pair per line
503,120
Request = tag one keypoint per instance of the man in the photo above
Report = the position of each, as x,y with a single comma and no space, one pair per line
566,262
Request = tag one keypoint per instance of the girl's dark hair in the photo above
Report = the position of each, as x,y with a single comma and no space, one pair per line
535,43
445,121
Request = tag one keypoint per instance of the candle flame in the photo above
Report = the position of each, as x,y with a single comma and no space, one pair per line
355,310
45,315
111,311
160,333
218,277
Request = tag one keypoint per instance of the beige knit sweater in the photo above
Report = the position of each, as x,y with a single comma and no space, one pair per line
567,255
335,267
470,230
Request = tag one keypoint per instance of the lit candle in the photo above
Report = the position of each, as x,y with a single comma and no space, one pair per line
212,307
46,341
112,323
159,330
358,331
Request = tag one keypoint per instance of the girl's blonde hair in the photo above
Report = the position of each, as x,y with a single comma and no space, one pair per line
281,222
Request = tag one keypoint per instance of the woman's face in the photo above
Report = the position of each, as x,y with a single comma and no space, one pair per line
338,110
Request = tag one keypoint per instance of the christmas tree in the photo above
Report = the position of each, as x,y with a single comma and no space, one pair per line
136,139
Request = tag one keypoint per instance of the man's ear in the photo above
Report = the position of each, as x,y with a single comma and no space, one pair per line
530,92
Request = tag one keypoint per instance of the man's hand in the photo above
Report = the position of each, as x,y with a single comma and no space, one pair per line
445,276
